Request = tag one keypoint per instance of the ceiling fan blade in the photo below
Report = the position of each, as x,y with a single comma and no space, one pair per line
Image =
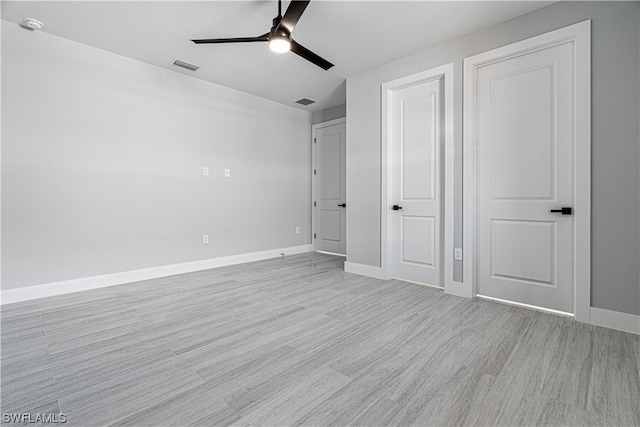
292,15
262,38
302,51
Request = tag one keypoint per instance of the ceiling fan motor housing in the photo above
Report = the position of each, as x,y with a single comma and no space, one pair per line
279,37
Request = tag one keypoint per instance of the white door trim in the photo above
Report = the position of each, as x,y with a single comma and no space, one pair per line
580,35
314,129
444,72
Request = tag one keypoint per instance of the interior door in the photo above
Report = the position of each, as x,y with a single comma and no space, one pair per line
330,188
525,145
416,140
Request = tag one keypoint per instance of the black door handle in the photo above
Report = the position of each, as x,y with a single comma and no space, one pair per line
563,211
396,207
344,205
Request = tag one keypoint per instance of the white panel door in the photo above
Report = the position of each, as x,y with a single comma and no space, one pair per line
525,144
330,188
416,148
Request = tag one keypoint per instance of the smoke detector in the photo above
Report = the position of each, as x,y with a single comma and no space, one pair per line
31,24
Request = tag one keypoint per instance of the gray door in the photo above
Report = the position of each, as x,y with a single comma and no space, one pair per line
330,188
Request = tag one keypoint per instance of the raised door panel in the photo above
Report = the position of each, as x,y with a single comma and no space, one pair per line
329,168
418,146
523,251
523,136
330,225
418,238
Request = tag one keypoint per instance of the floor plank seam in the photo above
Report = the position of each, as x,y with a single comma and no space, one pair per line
296,341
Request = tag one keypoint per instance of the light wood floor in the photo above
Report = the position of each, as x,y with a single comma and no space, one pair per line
296,341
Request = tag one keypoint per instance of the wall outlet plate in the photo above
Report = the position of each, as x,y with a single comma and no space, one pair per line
205,238
457,254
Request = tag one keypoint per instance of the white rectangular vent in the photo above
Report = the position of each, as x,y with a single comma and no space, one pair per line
186,65
305,101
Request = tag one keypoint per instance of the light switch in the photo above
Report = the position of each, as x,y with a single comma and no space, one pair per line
227,173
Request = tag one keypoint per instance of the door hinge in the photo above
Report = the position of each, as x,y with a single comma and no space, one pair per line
314,204
314,140
314,235
314,171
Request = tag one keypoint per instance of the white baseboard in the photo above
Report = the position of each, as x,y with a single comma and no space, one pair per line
615,320
331,253
8,296
364,270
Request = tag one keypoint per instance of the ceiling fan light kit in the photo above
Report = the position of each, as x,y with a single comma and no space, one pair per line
280,44
279,37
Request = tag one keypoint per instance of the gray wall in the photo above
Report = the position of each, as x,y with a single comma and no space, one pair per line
337,112
615,140
102,161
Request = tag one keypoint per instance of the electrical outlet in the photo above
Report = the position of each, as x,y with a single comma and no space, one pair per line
458,254
205,238
227,173
205,171
297,230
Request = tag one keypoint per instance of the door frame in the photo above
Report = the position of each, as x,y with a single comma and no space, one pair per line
580,35
314,129
444,72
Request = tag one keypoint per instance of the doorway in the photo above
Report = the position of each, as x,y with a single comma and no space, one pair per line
526,172
329,208
417,172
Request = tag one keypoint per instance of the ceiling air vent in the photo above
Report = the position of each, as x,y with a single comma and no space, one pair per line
186,65
305,101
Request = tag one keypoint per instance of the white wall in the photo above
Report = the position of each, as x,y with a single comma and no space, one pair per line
615,140
102,161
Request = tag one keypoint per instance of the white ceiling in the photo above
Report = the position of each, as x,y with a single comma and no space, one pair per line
354,35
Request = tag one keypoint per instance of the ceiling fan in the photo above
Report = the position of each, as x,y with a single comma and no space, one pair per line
279,37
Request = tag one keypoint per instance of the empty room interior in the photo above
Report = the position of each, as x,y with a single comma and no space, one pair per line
278,213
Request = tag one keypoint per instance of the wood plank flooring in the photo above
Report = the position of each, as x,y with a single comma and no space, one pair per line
297,341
